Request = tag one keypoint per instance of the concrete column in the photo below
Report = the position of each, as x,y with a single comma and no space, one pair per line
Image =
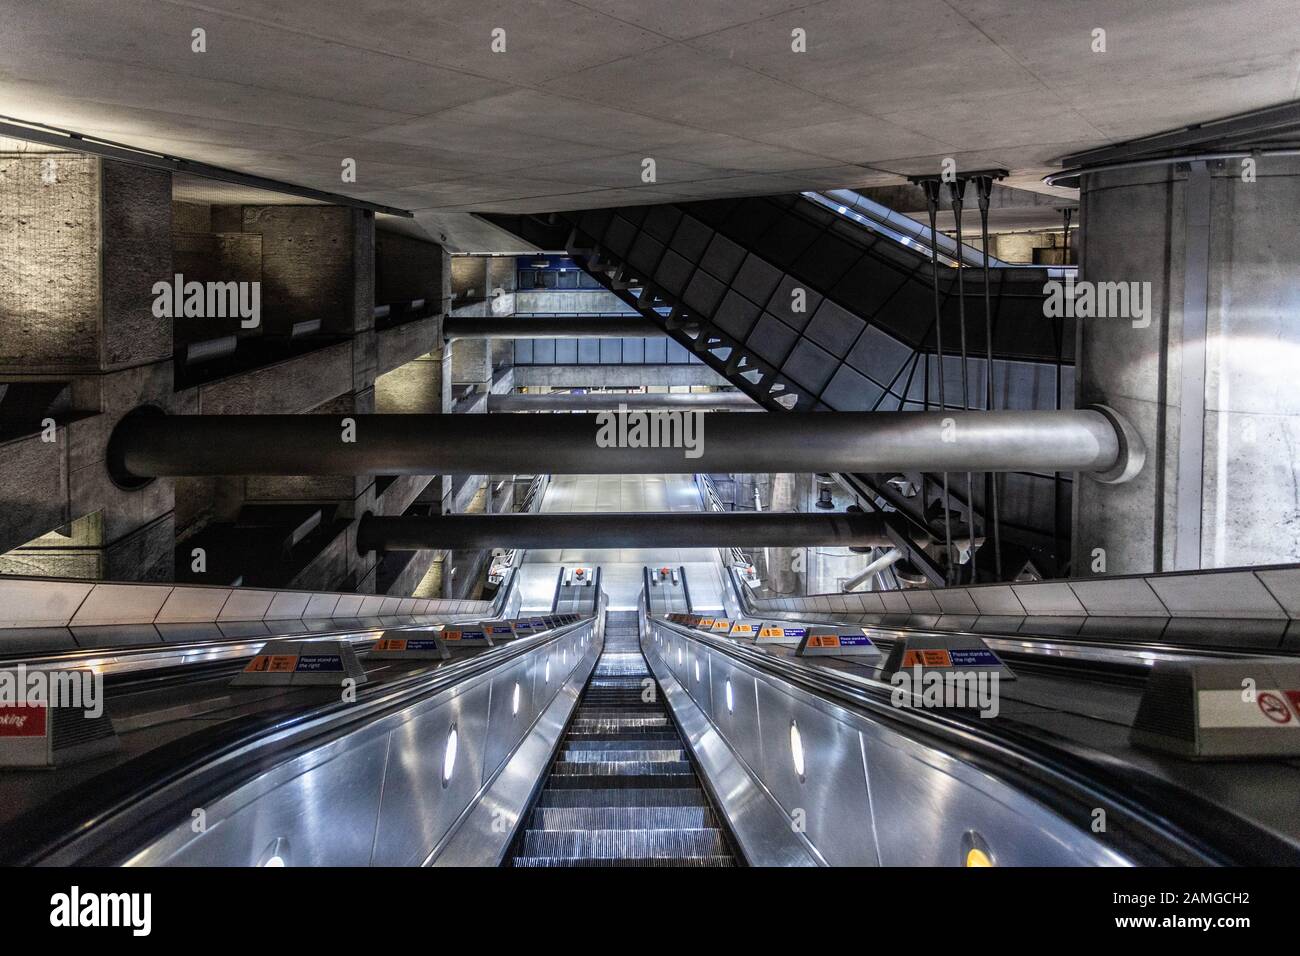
1207,377
82,241
786,566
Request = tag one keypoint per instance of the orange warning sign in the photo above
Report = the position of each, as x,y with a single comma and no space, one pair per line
824,640
271,664
927,658
390,644
451,635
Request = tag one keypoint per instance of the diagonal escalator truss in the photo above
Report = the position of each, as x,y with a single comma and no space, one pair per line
806,311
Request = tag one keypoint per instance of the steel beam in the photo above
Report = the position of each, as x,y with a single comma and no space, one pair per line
1091,441
610,401
654,529
552,327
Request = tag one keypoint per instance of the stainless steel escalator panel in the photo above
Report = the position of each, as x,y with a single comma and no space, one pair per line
866,792
382,791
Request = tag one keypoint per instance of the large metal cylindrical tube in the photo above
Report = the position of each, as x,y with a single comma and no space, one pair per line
663,442
622,530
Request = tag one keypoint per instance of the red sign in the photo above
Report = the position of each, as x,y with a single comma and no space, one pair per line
1274,708
1294,697
17,720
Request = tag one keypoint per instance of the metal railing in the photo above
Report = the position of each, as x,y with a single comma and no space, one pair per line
732,557
503,563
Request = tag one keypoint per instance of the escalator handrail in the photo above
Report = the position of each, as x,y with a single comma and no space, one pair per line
1160,822
108,816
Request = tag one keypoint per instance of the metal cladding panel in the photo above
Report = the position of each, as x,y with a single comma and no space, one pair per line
926,803
831,799
320,810
410,823
505,726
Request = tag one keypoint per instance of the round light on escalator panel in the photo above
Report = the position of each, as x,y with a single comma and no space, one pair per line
975,850
731,703
514,700
796,748
276,854
449,755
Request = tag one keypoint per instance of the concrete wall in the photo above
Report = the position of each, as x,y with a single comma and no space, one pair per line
617,376
317,263
79,254
563,300
407,269
1220,485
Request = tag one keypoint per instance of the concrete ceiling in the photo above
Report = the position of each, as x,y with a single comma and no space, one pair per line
586,89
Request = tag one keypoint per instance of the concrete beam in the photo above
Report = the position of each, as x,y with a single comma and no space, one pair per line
611,401
552,327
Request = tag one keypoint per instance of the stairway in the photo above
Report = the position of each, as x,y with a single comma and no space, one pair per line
621,791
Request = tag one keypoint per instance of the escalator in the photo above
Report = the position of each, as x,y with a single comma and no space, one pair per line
622,790
805,311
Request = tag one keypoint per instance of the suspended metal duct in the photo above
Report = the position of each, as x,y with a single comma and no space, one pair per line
621,530
1094,441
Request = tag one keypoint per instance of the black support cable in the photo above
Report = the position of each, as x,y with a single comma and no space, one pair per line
931,187
956,193
984,189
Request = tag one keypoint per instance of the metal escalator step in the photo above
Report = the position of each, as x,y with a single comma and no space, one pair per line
556,862
612,724
623,797
621,818
597,756
624,768
659,735
620,743
618,781
621,790
622,844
